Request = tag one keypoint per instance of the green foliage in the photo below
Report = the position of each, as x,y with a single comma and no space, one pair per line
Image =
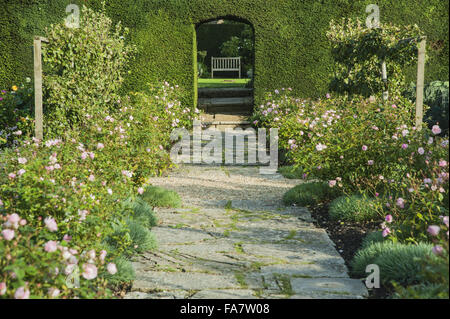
243,46
141,237
354,208
157,196
371,238
16,113
143,212
84,69
285,54
401,263
308,194
436,95
291,172
422,291
125,272
358,52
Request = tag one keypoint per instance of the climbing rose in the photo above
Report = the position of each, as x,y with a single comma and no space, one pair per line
436,130
332,183
389,218
320,147
53,292
100,146
386,231
102,255
2,288
421,151
140,190
8,234
370,162
50,246
22,293
433,230
437,250
89,271
364,148
400,202
112,269
51,224
22,160
445,220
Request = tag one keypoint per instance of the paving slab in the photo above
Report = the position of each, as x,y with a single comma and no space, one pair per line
234,239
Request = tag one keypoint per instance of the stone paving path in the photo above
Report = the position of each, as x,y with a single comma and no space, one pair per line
233,238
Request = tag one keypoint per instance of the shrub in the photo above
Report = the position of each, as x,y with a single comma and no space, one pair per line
401,263
422,291
141,237
157,196
359,50
125,272
436,96
291,172
372,238
16,113
142,212
98,51
308,194
355,208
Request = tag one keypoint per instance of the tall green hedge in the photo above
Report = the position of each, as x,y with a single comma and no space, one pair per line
291,48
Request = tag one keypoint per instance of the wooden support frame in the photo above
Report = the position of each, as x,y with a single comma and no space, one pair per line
420,82
38,107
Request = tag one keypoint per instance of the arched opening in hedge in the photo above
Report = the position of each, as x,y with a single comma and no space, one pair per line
225,37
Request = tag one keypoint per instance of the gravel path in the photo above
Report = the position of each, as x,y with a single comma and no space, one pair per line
233,238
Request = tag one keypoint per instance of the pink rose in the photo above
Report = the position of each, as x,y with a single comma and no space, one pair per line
102,255
22,293
364,148
89,271
400,202
421,151
2,288
50,246
8,234
389,218
100,146
386,231
437,250
50,223
53,292
332,183
433,230
140,190
436,130
112,269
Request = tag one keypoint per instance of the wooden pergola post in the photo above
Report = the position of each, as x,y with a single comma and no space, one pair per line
420,82
38,108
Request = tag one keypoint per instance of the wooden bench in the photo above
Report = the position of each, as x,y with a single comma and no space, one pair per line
225,64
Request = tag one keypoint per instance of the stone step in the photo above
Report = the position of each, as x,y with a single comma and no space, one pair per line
225,117
224,92
231,102
222,125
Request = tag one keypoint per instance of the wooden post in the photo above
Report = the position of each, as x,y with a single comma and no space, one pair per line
239,67
38,108
384,78
212,68
420,82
